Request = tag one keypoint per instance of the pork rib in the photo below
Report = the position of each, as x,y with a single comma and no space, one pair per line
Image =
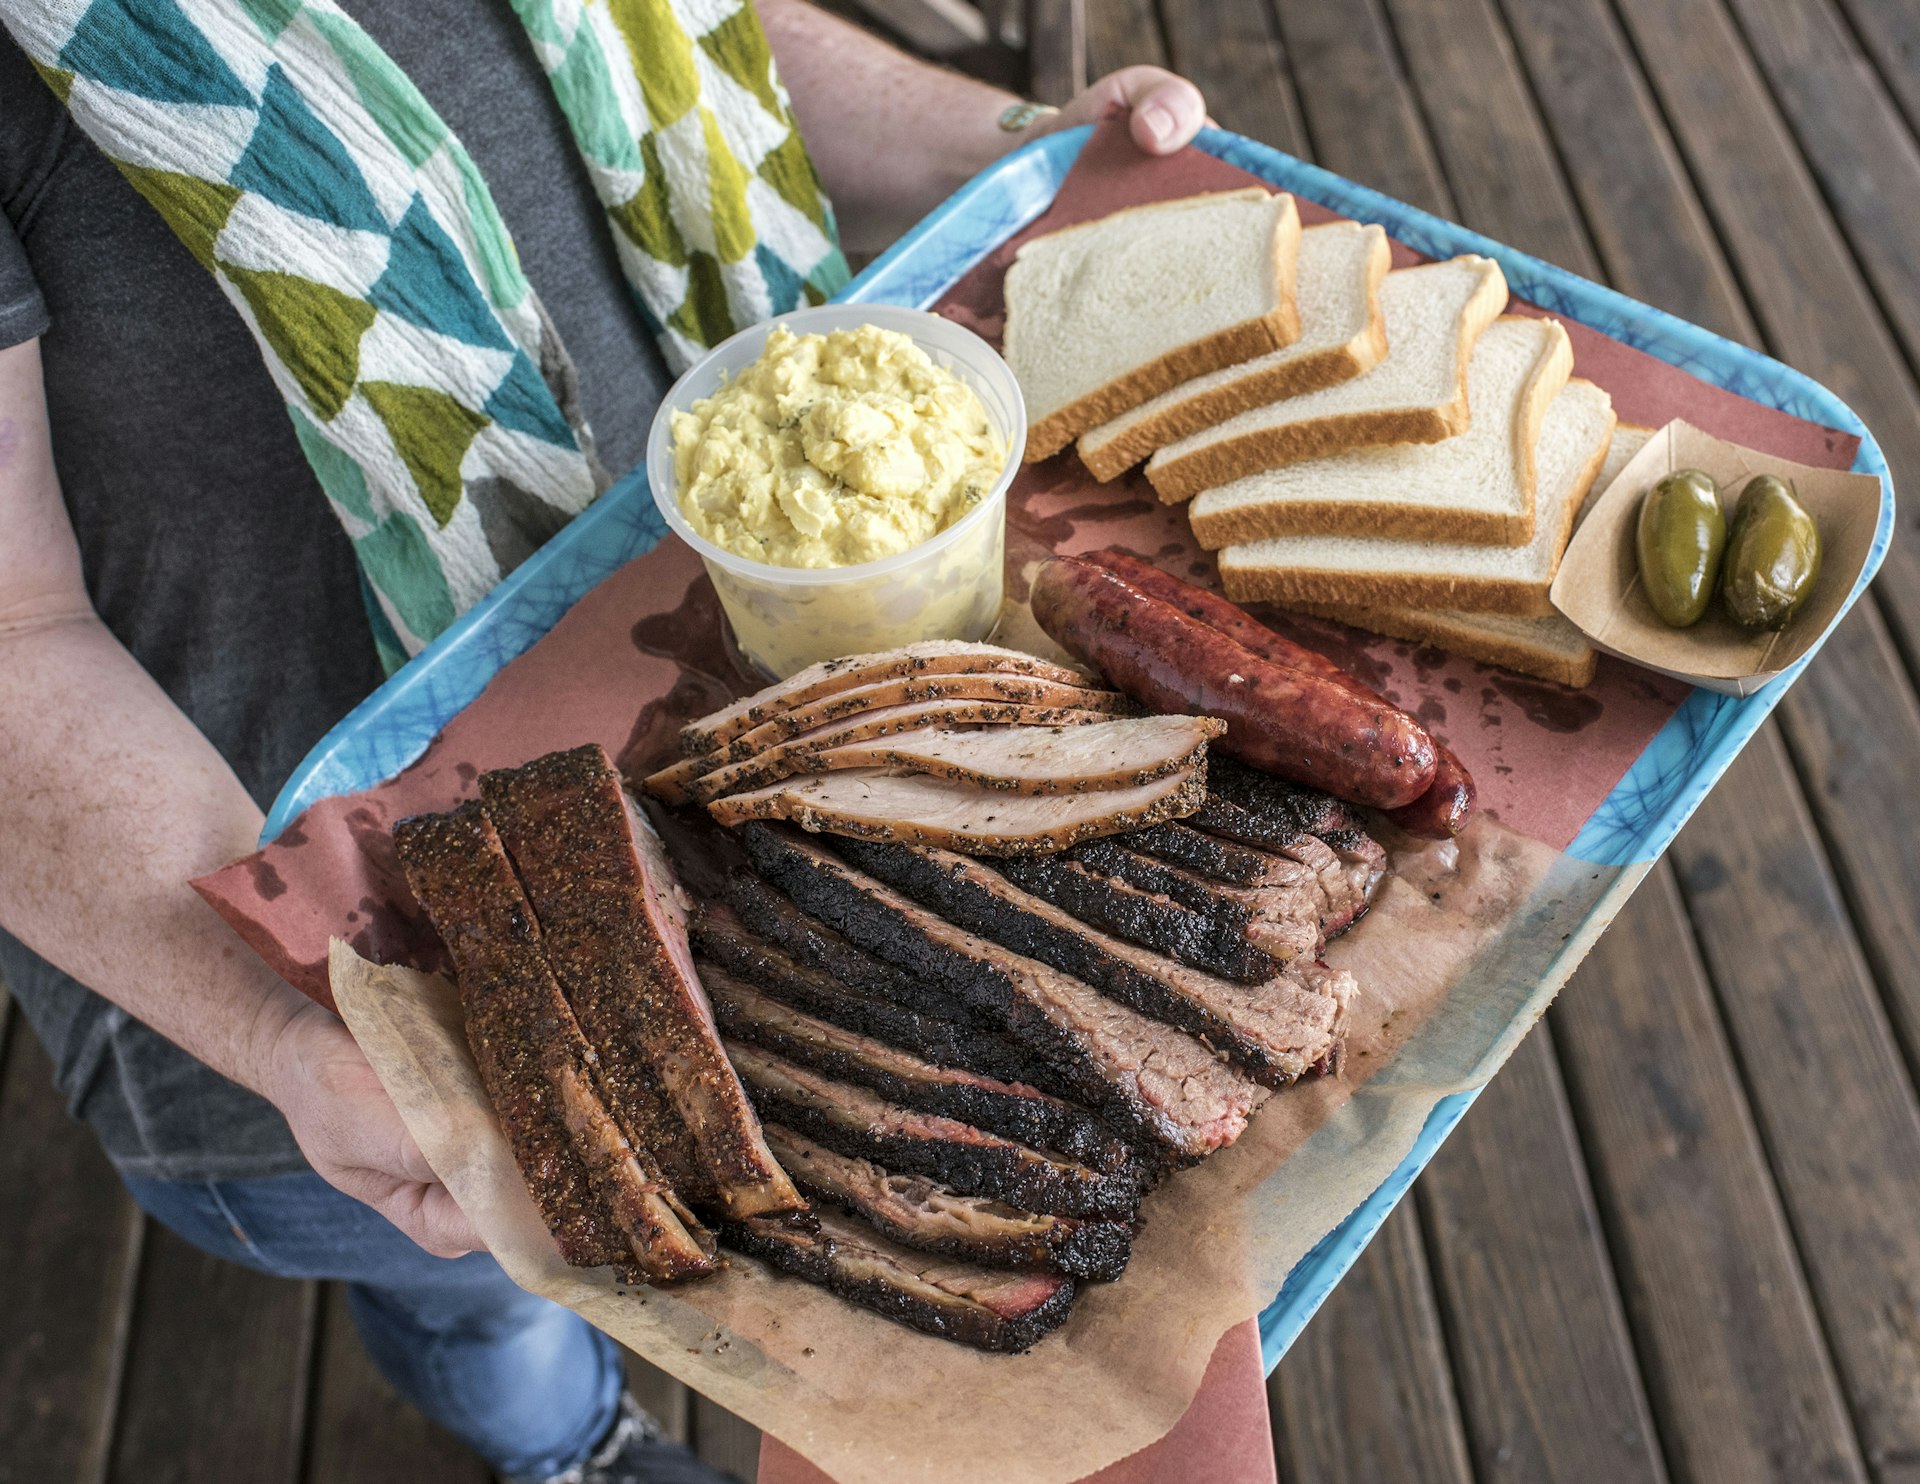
921,1213
615,928
597,1187
855,1120
1155,1084
933,657
1276,1031
1010,1108
987,1308
875,805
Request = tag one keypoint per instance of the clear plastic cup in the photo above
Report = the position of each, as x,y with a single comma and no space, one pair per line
947,587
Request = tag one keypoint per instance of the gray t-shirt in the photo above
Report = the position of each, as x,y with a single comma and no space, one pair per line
208,548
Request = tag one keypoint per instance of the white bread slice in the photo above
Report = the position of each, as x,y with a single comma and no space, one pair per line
1104,315
1416,394
1342,334
1476,486
1551,647
1480,579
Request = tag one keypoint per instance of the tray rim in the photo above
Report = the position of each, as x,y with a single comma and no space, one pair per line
1642,814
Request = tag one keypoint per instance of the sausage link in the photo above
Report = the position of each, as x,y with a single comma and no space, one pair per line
1443,810
1229,618
1438,814
1304,727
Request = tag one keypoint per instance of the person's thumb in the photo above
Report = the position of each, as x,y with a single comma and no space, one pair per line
1166,110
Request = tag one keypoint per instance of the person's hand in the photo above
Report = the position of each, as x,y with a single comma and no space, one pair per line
352,1135
1166,110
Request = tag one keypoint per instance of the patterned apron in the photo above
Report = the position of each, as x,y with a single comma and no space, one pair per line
354,235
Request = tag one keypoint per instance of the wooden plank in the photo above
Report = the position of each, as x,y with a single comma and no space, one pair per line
1548,1381
1865,157
216,1374
1629,158
934,28
1495,153
1646,222
69,1245
1056,49
1891,31
1876,1367
1507,1198
1737,1367
1232,50
1854,726
1364,1396
1829,1091
1354,98
1852,720
1122,33
360,1431
1805,289
723,1440
667,1399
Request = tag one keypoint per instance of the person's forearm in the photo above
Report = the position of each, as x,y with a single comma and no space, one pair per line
112,800
891,136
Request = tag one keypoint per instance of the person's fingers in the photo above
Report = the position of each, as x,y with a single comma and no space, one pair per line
445,1229
1167,115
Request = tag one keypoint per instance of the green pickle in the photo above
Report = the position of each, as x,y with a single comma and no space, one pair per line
1773,556
1680,538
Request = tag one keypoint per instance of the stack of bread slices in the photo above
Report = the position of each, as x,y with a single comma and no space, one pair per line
1389,448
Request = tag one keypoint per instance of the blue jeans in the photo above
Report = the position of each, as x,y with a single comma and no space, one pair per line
530,1386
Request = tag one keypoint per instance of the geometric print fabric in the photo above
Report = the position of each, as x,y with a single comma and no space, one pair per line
352,232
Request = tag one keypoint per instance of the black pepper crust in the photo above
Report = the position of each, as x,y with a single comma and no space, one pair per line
601,1198
607,916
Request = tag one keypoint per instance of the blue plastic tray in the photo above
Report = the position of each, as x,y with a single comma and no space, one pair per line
1635,822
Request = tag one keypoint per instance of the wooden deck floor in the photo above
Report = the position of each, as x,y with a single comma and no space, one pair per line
1679,1237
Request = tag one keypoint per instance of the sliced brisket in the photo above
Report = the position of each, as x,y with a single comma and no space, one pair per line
1205,940
597,1185
812,943
614,921
1010,1108
1152,1082
858,1121
1363,866
1281,918
1282,807
1276,1031
987,1308
921,1213
875,804
1198,851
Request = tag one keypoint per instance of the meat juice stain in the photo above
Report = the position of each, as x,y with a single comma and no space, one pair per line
1059,529
466,772
266,879
1547,705
691,635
